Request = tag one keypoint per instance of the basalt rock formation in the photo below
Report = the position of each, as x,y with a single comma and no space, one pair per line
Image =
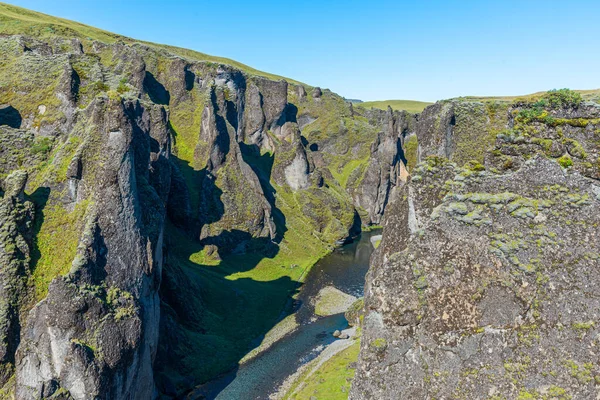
485,284
129,171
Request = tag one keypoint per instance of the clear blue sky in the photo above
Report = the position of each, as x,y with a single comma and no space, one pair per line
374,50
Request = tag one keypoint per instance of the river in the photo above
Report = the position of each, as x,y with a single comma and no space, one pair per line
345,269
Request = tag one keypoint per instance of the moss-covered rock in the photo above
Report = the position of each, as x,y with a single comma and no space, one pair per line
483,269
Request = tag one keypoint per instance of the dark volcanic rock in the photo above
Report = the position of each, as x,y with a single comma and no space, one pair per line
136,156
16,223
96,333
387,164
485,283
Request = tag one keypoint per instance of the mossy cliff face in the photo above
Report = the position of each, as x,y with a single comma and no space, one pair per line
485,283
387,166
16,229
95,332
170,209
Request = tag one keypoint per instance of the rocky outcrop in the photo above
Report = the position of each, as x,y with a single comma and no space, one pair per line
387,165
16,230
484,284
150,164
95,334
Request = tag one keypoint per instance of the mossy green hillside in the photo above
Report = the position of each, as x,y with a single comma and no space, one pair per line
242,297
33,75
411,106
20,21
411,151
56,243
343,135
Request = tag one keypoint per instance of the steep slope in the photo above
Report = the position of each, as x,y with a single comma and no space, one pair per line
485,283
160,207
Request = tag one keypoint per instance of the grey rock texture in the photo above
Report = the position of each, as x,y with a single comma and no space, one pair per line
16,230
131,151
484,284
95,335
387,166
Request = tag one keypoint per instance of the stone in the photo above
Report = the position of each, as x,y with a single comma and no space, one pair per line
482,271
331,301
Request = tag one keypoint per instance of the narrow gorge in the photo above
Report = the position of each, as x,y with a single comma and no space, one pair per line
175,225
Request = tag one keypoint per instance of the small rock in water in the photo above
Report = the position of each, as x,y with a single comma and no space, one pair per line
337,333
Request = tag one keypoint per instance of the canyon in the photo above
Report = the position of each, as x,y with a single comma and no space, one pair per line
167,217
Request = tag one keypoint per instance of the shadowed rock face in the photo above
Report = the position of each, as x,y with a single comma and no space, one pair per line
10,116
387,163
110,166
16,223
484,284
96,333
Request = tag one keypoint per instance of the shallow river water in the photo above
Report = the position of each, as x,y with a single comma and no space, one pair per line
345,269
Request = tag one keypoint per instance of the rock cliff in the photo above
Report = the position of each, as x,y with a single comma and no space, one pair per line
145,189
485,283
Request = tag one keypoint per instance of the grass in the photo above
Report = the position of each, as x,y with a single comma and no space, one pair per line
17,20
331,380
591,94
56,243
243,297
411,106
341,171
411,151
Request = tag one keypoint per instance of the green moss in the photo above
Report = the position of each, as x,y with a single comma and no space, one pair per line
378,343
476,128
474,165
41,145
88,346
341,169
411,148
583,325
56,243
565,161
331,380
583,374
8,390
546,144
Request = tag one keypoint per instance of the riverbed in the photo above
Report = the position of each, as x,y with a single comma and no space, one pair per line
345,269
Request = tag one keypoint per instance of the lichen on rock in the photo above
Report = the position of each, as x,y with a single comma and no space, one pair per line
497,269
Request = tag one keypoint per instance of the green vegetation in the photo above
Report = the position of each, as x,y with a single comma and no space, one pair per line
477,126
585,95
565,161
411,106
17,20
329,381
243,297
411,149
342,170
584,325
56,244
563,98
8,390
41,145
